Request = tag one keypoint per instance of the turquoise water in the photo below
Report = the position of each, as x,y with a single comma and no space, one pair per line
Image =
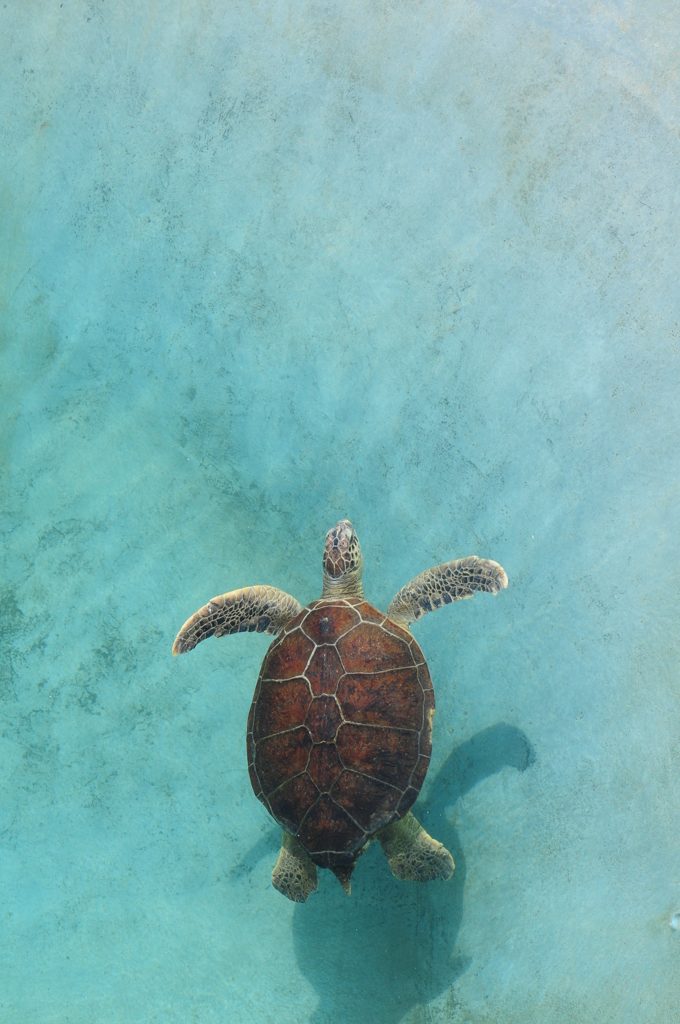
267,265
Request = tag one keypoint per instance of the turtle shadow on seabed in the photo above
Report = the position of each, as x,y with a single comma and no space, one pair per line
388,948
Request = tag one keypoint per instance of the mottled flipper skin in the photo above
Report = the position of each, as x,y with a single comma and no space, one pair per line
295,875
250,610
443,584
412,854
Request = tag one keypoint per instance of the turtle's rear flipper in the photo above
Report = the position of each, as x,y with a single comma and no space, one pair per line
295,874
412,854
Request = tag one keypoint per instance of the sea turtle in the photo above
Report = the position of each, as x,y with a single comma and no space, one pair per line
340,728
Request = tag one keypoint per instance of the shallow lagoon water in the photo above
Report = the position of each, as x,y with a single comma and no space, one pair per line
263,266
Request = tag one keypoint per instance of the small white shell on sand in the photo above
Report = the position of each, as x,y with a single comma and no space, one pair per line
675,921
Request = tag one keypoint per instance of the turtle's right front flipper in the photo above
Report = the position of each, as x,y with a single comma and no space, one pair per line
250,610
443,584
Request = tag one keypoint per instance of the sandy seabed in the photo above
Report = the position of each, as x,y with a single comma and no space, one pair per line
264,265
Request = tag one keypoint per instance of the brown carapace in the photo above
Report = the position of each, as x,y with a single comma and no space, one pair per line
340,728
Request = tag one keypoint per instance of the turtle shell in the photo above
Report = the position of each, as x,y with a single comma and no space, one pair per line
340,728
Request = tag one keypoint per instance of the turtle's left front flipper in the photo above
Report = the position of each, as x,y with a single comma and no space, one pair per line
449,582
250,610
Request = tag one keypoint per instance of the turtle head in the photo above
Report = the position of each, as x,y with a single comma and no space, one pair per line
342,562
